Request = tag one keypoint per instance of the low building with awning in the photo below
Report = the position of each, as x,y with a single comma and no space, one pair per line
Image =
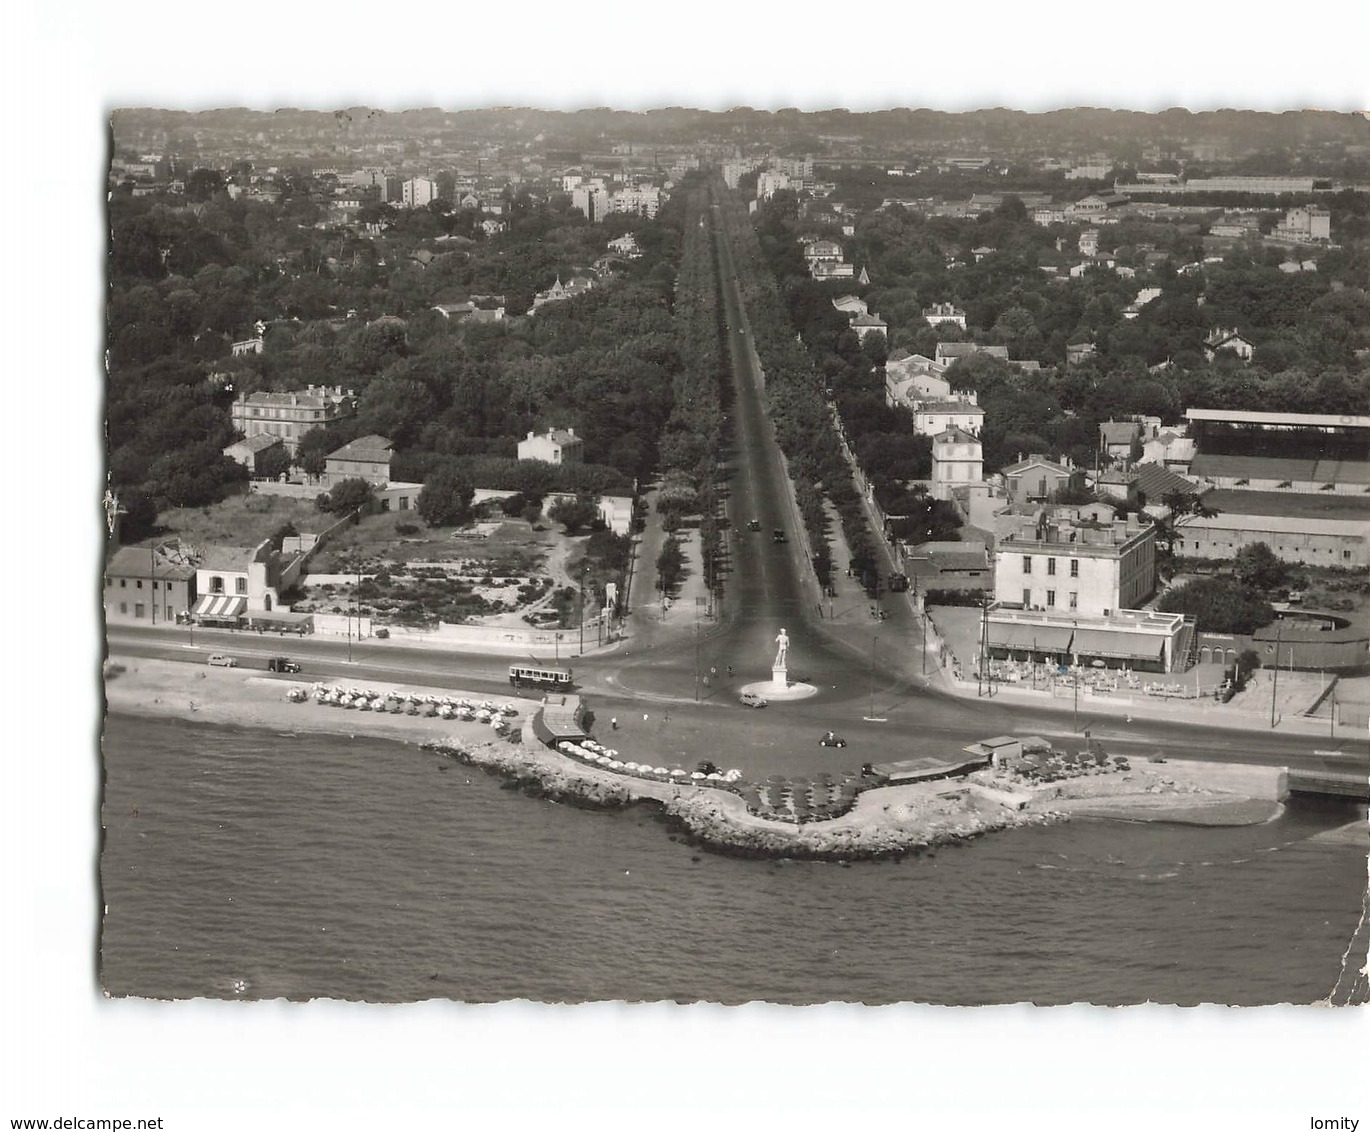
219,609
1138,639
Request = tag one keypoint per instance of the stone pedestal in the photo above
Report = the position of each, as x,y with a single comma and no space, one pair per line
779,677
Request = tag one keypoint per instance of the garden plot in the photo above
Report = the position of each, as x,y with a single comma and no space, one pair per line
425,592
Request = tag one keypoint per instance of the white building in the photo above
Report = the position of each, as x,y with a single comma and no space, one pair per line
933,417
555,446
1305,225
418,192
939,313
591,201
644,200
1056,562
957,460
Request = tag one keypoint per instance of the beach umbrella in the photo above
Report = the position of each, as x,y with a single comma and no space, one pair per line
659,770
615,764
630,766
696,775
678,773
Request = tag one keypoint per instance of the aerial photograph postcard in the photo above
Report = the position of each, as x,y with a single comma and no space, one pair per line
704,555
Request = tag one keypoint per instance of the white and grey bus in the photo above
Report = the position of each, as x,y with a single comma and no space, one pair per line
534,676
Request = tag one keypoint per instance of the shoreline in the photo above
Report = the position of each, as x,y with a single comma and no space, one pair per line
885,822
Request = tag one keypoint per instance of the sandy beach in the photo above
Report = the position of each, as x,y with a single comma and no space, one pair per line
237,697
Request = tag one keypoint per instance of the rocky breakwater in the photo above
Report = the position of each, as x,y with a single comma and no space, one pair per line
541,774
886,821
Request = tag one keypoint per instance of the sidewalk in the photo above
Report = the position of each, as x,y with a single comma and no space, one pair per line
1248,712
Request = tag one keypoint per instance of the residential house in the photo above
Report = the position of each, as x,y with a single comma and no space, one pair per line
939,313
251,451
626,245
468,311
1170,448
957,460
933,417
148,583
556,446
947,565
247,346
1078,352
913,377
290,415
850,304
822,251
950,352
1120,440
825,269
1143,484
560,292
1223,339
865,324
1040,479
367,458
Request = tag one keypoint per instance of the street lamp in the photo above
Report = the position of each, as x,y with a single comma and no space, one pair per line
1275,683
584,573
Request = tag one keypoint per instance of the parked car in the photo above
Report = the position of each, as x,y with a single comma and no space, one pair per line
832,740
777,535
751,699
219,660
899,583
754,525
282,664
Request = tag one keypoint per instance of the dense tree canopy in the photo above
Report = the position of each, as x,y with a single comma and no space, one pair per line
1219,605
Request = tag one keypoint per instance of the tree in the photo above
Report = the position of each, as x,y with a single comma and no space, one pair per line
670,566
1257,567
275,462
315,445
1178,505
574,513
351,495
1219,605
446,497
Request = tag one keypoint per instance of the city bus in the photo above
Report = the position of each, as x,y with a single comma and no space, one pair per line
535,676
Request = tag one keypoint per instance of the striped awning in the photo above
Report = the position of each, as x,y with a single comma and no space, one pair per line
219,606
1119,645
1036,638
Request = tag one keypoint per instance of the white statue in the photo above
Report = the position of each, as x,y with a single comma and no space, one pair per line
783,641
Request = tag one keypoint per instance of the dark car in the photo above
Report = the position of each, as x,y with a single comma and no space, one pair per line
778,535
899,583
832,740
754,525
282,664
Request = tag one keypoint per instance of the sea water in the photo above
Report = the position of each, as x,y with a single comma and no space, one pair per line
255,864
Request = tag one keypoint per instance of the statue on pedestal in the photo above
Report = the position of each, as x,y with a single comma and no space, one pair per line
783,647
